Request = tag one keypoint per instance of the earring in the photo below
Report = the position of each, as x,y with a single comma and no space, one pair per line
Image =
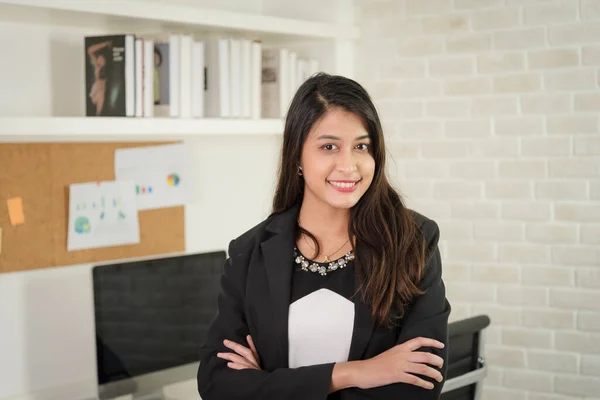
299,170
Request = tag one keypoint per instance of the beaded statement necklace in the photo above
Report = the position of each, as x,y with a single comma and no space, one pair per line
322,268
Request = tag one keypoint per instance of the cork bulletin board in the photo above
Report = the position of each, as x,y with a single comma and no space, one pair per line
40,173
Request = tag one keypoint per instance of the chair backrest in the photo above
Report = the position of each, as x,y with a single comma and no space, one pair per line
466,362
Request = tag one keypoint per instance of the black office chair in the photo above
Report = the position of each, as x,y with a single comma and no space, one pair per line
466,362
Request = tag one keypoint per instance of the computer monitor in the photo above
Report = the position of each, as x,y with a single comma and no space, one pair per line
152,317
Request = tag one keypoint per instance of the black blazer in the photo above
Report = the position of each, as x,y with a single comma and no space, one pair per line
254,299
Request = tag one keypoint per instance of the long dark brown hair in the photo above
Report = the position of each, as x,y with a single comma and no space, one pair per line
391,251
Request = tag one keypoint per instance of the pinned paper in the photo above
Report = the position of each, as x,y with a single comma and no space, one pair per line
161,174
102,214
15,211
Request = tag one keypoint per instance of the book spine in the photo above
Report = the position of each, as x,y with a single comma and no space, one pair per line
301,72
130,75
224,79
292,70
256,76
148,78
211,62
186,76
198,79
162,90
270,83
246,86
313,66
174,76
139,77
235,83
284,85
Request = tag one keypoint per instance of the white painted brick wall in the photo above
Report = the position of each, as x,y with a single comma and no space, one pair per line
590,365
549,318
545,360
547,276
492,114
588,277
527,380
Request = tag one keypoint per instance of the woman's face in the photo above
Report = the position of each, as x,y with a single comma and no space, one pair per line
337,164
99,64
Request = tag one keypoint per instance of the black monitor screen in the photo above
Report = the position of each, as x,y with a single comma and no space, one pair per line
153,314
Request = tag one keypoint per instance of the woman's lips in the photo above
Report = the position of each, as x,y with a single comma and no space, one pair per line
344,186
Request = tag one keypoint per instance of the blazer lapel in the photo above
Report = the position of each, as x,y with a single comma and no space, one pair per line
278,252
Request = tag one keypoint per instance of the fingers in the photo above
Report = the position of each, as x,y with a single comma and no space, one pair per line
426,358
424,370
417,343
241,350
416,381
238,366
252,347
236,359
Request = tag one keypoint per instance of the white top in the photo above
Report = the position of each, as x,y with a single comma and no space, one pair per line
320,329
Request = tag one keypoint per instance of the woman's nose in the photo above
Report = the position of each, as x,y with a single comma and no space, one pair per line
346,162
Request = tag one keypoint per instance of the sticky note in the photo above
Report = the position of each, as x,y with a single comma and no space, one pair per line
15,211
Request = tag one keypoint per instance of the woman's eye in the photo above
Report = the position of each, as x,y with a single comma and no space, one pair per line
329,147
363,146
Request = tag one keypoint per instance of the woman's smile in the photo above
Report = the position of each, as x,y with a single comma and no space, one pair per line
344,186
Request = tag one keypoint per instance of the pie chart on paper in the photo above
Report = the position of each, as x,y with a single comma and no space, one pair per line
161,174
173,180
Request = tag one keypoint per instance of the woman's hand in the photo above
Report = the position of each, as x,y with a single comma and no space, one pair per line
400,363
243,358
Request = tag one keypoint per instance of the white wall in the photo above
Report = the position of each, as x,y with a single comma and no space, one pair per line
492,110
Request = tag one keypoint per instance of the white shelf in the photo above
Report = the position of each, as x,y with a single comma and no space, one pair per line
117,129
178,16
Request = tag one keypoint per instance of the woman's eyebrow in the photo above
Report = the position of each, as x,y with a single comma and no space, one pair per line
331,137
328,137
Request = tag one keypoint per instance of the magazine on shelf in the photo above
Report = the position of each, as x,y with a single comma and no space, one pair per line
110,75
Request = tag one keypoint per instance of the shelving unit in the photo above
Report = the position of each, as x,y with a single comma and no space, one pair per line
179,16
91,129
330,42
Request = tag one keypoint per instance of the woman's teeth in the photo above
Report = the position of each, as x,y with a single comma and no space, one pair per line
343,184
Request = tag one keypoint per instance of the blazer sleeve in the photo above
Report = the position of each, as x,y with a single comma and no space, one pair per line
216,381
428,317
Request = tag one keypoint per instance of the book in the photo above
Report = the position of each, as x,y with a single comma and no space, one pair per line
185,77
149,73
302,71
198,77
110,75
313,67
167,76
144,77
235,77
256,80
246,81
292,74
139,77
217,100
275,84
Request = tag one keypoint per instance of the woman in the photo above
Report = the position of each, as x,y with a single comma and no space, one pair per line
338,294
98,60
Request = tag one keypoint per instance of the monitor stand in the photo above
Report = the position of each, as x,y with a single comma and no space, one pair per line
156,395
